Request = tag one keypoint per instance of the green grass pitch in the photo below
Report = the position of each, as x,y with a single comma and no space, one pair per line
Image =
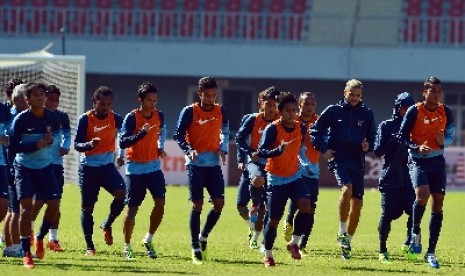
228,249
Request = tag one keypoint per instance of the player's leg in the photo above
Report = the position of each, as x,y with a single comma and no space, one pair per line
243,198
53,243
158,191
195,180
312,184
277,199
214,184
300,194
136,193
89,184
47,190
257,190
114,184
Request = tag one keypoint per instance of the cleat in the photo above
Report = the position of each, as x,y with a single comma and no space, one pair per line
404,248
253,214
40,251
384,258
107,234
344,243
196,257
430,258
303,251
254,245
294,249
415,244
269,262
203,249
90,252
54,246
13,253
28,262
251,232
288,231
150,249
128,254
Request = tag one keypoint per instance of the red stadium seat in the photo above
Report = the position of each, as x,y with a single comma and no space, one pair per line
38,16
456,25
275,19
80,16
59,16
146,22
435,10
124,18
167,17
102,17
188,17
232,18
296,22
210,18
254,19
412,22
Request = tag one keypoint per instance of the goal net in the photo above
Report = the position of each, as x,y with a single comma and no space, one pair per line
67,73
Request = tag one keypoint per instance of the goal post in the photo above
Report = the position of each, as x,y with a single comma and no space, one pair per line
67,73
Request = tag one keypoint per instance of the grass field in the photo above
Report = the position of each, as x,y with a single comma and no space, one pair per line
228,250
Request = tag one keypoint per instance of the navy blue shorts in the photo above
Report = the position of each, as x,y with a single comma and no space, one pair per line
429,171
59,172
395,202
13,204
279,194
243,190
345,175
138,184
92,178
40,183
209,177
4,181
312,185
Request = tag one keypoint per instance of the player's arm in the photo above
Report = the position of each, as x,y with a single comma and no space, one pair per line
224,134
382,140
406,128
16,145
265,147
184,121
66,128
243,133
371,133
319,132
162,131
80,143
303,149
449,132
127,136
242,156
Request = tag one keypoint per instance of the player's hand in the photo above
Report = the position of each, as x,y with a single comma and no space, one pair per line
192,155
120,161
329,154
223,157
440,137
95,141
48,135
161,153
63,151
147,127
365,145
424,148
4,140
255,157
241,166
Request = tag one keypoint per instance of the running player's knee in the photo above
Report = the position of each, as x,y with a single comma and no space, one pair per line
197,206
274,223
218,205
347,192
120,195
258,181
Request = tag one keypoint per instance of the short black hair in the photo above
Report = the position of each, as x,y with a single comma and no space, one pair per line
285,98
33,85
52,89
145,88
207,83
11,85
306,94
429,82
271,93
102,91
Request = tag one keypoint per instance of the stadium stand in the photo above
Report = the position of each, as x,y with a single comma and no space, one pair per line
124,17
456,14
232,18
189,18
168,17
80,17
146,21
58,15
275,19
